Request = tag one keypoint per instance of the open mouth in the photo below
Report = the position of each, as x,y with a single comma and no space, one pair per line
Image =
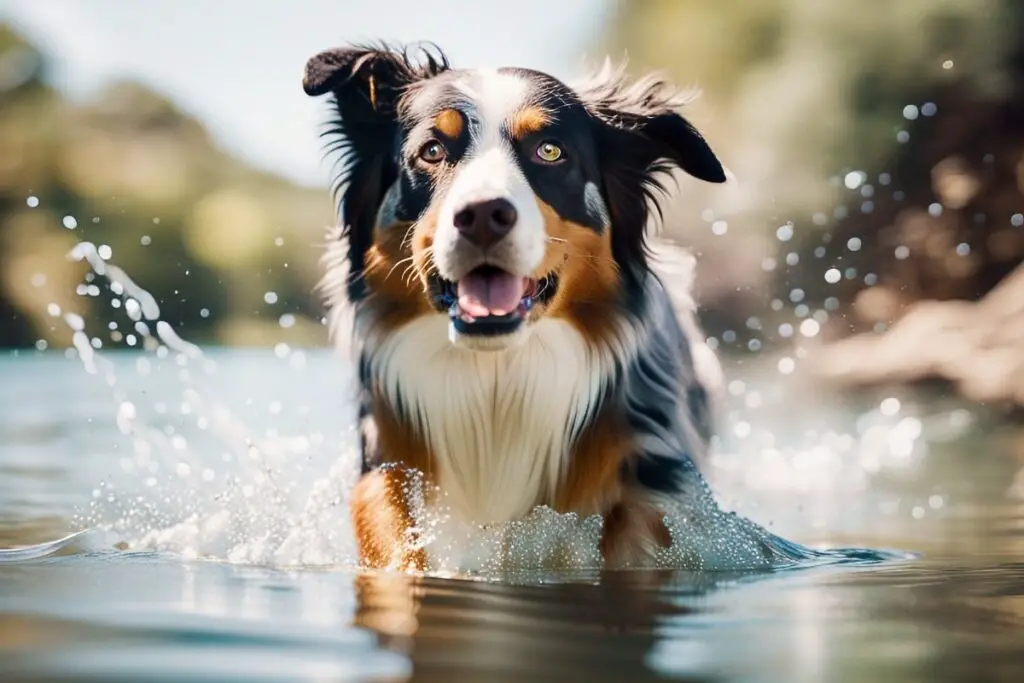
491,301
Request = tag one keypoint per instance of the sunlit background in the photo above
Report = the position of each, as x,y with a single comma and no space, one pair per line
878,163
861,279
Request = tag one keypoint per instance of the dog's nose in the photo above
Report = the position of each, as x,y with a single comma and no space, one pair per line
484,223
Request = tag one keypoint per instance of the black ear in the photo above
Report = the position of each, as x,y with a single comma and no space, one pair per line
641,135
366,84
647,112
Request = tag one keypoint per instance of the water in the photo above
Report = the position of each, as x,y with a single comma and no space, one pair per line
218,482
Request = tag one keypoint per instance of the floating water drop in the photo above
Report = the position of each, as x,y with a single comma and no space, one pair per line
854,179
810,327
32,202
69,222
889,406
910,112
832,276
784,232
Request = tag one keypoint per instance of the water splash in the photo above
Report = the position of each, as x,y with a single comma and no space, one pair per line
201,482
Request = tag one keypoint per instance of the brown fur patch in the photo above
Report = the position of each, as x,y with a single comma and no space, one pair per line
592,482
449,123
588,277
633,533
382,520
526,121
399,444
395,273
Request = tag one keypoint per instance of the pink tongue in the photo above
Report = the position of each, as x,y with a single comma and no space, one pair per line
492,293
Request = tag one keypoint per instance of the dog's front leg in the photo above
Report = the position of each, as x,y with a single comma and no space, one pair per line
382,515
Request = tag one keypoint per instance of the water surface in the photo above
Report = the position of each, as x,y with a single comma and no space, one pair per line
222,480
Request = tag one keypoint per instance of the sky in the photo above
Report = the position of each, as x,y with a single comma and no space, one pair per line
237,64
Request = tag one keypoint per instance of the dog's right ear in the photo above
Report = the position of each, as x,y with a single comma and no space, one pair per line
374,76
367,85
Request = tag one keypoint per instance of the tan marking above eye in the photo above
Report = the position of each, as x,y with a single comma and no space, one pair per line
527,121
449,123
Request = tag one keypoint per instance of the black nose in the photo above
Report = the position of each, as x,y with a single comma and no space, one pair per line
484,223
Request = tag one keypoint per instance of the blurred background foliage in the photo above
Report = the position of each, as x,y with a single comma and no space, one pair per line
879,172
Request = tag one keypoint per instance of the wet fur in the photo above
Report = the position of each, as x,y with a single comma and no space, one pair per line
603,409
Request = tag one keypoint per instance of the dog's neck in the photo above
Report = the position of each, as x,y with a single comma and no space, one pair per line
499,424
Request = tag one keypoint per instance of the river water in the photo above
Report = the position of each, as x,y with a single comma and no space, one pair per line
219,548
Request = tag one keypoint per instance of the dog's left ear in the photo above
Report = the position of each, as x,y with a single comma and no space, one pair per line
641,135
644,118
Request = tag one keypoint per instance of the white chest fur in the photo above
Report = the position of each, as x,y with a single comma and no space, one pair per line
499,423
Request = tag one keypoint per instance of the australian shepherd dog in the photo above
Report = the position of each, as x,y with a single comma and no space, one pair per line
515,346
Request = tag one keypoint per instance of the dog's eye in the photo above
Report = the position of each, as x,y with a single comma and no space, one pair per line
433,152
549,152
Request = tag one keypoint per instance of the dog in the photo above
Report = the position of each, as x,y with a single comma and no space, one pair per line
515,346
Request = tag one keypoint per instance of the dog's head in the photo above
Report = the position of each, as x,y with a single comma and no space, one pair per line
497,197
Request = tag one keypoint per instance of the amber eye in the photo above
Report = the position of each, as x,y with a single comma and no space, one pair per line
433,152
549,152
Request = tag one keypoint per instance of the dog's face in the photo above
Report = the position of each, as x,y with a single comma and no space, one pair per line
497,197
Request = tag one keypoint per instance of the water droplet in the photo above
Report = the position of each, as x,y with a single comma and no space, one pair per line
810,327
105,252
935,501
204,312
854,179
796,295
792,258
69,222
831,304
853,244
910,112
903,137
929,109
1017,220
870,279
41,345
785,232
146,240
32,202
281,350
889,406
270,297
947,64
963,249
768,264
935,209
901,252
917,512
719,227
832,276
286,321
785,330
786,365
